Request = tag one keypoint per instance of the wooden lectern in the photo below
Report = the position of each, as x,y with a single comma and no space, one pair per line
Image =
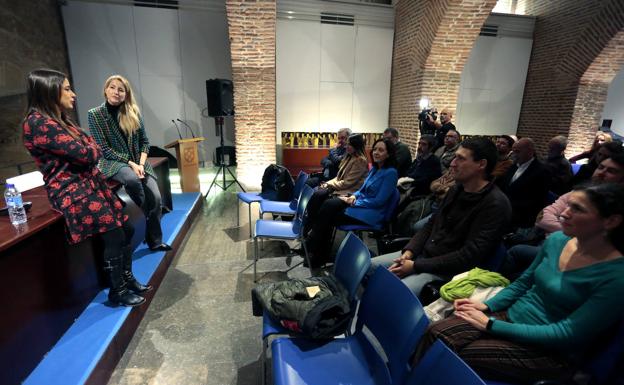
188,162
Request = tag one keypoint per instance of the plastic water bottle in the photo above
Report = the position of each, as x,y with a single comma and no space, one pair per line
15,205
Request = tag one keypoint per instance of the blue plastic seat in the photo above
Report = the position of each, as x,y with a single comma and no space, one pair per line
249,198
284,230
441,366
285,208
389,311
352,263
575,168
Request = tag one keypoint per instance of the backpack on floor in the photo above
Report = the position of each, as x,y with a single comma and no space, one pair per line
277,184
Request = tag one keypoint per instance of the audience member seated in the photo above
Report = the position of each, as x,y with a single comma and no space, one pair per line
558,166
418,212
351,175
466,229
446,153
525,184
117,127
331,162
424,169
539,327
519,257
403,152
605,150
366,206
600,138
504,144
442,127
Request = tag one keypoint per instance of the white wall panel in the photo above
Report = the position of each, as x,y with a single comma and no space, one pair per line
337,53
298,60
202,59
162,101
371,85
613,108
335,106
492,86
100,38
158,41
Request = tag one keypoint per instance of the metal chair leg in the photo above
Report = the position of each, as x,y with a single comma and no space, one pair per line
255,258
238,213
249,211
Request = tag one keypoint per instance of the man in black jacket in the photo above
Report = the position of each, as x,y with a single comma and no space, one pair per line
466,229
525,184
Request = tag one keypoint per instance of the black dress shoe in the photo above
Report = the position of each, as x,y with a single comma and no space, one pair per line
160,247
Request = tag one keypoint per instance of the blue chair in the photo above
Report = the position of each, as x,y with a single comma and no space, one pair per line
389,311
495,261
360,228
575,168
249,198
284,230
441,366
285,208
352,263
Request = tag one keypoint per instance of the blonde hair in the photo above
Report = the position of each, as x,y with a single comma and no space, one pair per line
129,112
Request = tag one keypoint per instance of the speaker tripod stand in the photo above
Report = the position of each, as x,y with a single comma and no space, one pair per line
222,166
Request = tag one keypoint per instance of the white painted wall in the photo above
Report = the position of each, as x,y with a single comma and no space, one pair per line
332,76
614,109
492,86
166,54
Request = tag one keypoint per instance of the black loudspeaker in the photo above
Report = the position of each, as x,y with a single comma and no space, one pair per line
220,97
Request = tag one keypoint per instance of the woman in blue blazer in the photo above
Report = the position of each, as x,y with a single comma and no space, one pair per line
366,206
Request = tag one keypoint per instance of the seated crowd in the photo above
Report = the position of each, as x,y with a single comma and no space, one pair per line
460,204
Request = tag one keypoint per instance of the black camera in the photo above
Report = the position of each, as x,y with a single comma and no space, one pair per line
423,116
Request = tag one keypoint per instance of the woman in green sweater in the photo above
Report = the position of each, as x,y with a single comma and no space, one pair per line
570,295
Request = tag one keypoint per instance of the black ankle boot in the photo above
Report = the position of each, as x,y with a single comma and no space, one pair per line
118,293
131,282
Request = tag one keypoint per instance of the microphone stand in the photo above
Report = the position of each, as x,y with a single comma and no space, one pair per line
187,125
222,165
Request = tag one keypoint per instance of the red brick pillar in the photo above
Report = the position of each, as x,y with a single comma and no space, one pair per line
592,94
432,42
565,93
251,25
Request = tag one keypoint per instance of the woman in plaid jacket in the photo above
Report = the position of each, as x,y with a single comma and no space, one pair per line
118,129
67,157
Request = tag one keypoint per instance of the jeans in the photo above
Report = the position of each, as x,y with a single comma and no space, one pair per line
415,282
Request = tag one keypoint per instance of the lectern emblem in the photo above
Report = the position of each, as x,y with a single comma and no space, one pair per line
189,155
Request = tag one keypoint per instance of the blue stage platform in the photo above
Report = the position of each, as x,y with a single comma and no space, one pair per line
95,335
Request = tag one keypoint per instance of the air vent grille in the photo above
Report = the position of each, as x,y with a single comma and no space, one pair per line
337,18
167,4
489,30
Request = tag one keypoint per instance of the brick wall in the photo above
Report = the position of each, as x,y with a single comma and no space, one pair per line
26,43
251,26
432,42
565,92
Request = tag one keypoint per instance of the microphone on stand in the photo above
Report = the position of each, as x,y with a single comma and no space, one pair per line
177,128
189,127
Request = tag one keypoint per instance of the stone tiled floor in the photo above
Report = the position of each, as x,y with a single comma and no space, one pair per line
199,328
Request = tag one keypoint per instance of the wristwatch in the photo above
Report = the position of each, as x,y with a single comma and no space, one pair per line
489,324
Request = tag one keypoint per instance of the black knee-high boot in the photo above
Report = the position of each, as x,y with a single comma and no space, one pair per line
119,293
131,282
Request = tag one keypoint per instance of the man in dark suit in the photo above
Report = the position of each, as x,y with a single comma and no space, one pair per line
525,184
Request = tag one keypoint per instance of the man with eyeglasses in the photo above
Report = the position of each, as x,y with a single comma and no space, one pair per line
446,153
332,161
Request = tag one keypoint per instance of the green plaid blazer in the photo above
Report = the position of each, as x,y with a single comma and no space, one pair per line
116,149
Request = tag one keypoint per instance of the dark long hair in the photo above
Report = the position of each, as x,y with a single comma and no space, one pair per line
391,149
608,199
357,142
44,88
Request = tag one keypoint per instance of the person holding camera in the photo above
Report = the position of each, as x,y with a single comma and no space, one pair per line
427,121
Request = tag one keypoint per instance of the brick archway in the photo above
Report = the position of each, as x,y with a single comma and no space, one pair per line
432,42
592,94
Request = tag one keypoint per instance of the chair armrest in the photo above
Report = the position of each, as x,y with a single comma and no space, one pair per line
391,243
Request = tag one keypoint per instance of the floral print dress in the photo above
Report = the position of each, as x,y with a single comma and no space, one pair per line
74,184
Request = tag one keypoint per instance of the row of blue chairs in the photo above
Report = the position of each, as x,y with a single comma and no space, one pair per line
389,323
